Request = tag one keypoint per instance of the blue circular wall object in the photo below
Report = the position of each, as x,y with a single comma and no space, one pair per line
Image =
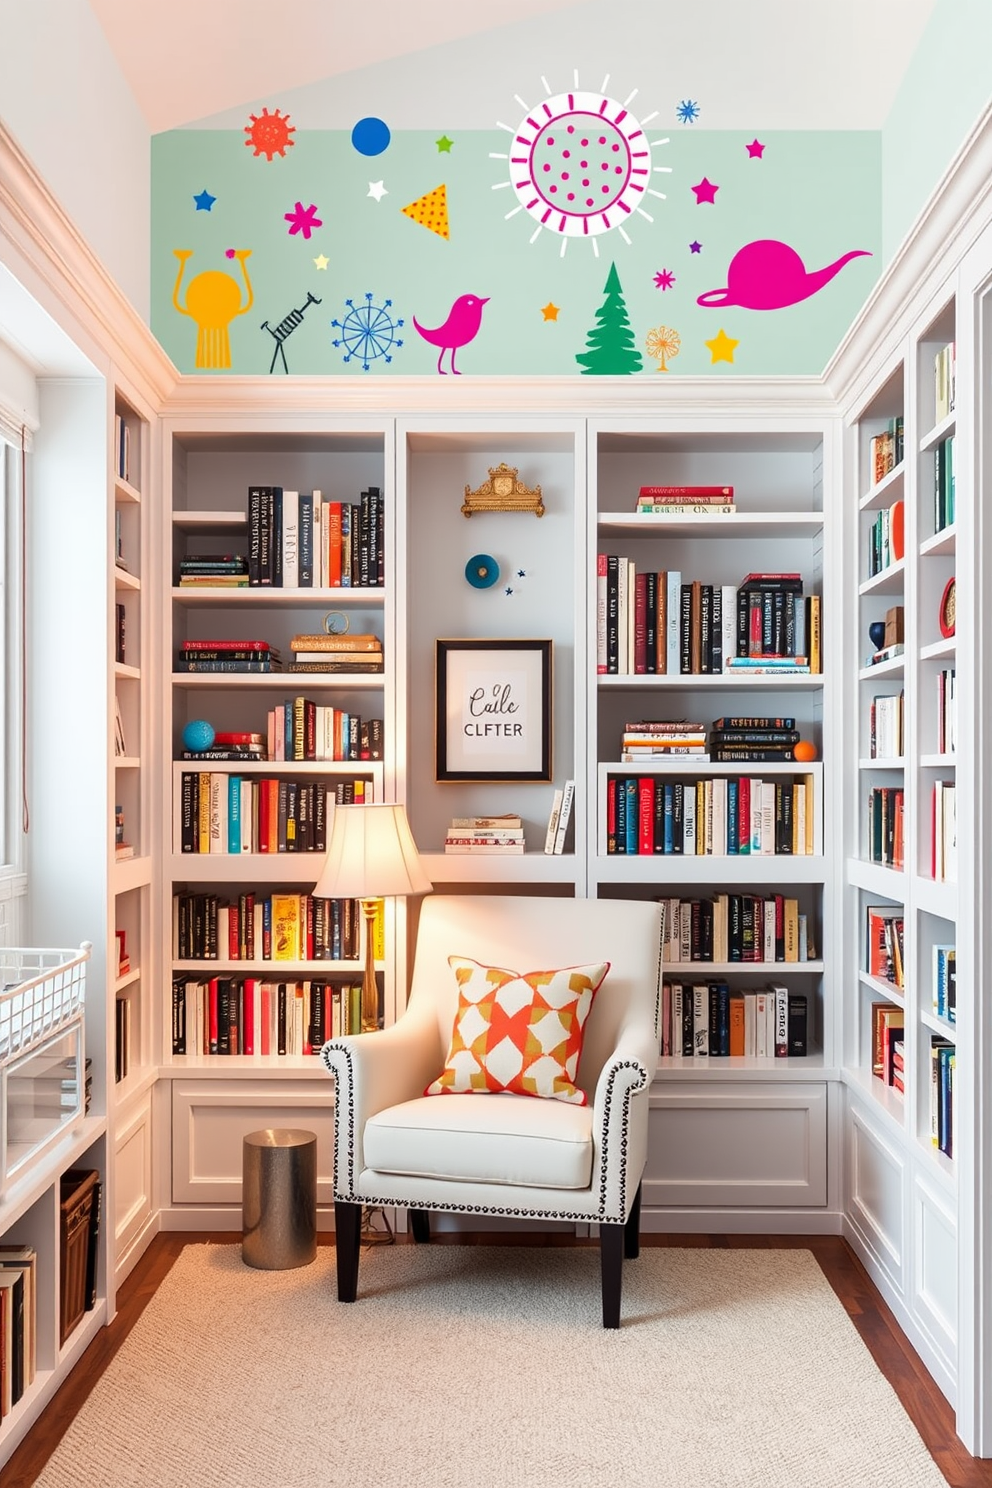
482,571
370,136
198,734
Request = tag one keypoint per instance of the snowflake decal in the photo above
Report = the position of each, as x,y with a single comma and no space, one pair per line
687,111
268,135
664,279
303,219
367,332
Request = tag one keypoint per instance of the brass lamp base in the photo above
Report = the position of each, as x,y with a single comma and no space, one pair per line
370,987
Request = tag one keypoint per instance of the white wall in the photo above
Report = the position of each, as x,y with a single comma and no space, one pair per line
64,100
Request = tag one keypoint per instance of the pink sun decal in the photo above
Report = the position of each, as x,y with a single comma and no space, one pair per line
580,165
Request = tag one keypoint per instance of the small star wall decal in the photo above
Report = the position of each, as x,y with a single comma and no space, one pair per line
755,150
444,145
664,279
705,191
377,190
321,261
550,311
721,348
508,591
302,220
695,247
204,201
521,573
687,111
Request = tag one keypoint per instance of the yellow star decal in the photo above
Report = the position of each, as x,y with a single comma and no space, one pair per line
721,348
321,261
550,311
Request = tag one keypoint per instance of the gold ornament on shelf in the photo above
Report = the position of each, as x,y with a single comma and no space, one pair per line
503,492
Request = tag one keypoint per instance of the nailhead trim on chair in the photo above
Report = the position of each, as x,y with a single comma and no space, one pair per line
350,1197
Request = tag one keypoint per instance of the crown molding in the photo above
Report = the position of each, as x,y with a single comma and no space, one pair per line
947,226
73,278
198,398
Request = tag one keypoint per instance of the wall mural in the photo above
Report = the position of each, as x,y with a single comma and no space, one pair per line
292,257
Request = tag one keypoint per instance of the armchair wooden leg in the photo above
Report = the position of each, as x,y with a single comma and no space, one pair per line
347,1238
632,1229
611,1246
420,1224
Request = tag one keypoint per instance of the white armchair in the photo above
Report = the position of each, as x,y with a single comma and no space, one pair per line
504,1154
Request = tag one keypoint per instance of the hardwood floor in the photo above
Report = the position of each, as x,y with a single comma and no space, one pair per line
920,1397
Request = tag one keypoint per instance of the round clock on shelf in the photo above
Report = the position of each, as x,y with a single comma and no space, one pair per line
948,608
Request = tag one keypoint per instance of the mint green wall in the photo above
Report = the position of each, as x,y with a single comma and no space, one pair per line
944,91
817,192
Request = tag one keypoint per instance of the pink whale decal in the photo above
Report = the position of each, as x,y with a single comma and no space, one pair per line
768,275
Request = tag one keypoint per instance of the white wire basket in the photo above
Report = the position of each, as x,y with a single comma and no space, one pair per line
42,1060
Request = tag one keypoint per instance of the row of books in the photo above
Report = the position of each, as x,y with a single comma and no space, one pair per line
18,1322
213,571
337,653
711,816
686,501
656,623
945,982
884,947
944,381
122,1038
885,815
303,539
888,1021
947,711
743,927
559,818
301,729
886,538
944,495
257,926
494,835
886,449
886,721
218,812
943,831
942,1094
245,1015
706,1020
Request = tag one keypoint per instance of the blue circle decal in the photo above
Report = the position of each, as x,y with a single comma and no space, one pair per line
370,136
482,571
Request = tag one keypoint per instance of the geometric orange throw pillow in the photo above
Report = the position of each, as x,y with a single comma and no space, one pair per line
518,1032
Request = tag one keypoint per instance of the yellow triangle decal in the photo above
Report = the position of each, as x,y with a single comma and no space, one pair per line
431,211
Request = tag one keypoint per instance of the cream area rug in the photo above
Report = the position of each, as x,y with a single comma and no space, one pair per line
487,1367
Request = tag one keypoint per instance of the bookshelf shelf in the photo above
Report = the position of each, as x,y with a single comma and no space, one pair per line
884,492
723,681
279,681
232,598
757,524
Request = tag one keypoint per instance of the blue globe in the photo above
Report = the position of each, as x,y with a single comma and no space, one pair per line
198,734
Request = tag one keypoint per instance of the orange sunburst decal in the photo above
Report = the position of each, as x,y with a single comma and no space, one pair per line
268,134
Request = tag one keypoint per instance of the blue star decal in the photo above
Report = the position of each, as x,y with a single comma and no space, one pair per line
204,201
521,574
507,591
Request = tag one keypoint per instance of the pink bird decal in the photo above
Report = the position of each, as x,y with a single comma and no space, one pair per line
461,327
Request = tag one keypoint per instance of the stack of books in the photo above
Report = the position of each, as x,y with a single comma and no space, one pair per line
228,656
763,740
778,627
210,570
241,746
336,653
650,740
497,835
686,501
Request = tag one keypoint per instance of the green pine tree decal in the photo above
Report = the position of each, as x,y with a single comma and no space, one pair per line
611,350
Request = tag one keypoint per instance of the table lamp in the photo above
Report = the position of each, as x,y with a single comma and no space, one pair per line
371,854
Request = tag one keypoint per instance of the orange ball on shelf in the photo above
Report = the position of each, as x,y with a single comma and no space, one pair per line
804,750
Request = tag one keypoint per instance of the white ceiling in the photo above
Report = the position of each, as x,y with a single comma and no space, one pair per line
771,64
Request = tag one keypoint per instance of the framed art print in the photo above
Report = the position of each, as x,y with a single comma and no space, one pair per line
493,710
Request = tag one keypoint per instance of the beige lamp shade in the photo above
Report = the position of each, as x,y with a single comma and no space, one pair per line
371,855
